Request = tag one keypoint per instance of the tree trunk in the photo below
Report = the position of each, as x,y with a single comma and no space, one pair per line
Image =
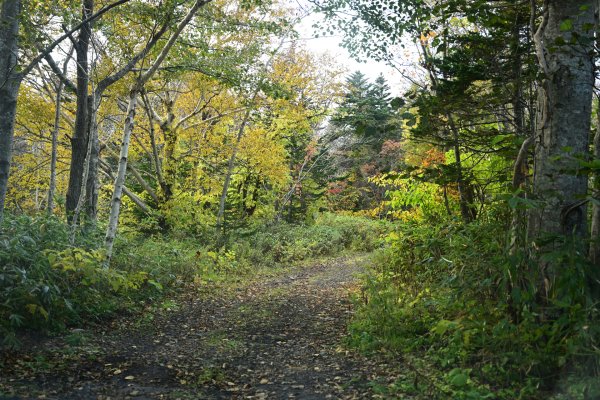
222,200
54,152
134,198
91,191
155,157
465,207
169,165
9,88
594,254
465,193
83,195
564,46
113,222
115,203
79,141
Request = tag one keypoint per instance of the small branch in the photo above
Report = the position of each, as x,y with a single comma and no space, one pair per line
27,69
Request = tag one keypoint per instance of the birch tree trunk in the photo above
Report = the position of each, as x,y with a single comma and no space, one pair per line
9,88
54,151
564,45
594,254
115,204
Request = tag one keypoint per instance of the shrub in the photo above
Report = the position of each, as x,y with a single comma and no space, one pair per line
286,243
47,283
448,292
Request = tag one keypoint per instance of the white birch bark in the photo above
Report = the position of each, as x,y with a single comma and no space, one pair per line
115,204
594,252
54,151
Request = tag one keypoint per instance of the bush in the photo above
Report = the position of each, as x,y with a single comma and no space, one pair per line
286,243
47,283
448,292
33,292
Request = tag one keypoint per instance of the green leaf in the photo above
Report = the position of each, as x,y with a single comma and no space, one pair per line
458,377
157,285
498,139
459,380
397,102
566,25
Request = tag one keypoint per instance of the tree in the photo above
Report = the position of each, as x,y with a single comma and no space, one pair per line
364,121
9,88
465,63
565,48
12,72
134,93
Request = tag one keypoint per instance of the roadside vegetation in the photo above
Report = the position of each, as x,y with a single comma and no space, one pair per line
151,148
49,284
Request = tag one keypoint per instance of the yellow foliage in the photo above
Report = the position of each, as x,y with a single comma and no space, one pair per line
264,155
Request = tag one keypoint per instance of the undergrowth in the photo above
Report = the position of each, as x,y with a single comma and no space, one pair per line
465,320
48,284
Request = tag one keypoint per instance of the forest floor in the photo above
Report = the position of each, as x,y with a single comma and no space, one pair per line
275,338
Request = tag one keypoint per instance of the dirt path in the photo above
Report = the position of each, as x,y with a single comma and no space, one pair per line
277,339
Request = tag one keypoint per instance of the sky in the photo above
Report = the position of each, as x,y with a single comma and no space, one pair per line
331,45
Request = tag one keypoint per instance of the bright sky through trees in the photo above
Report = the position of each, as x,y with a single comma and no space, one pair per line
331,44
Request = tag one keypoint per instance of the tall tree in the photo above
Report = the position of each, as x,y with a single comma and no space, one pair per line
79,140
12,72
134,93
10,80
565,46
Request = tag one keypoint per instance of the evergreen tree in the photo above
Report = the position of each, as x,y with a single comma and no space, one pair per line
365,112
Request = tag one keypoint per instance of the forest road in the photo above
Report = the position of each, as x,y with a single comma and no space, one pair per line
281,338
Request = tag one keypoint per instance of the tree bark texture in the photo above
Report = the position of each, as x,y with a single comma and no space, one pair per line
564,45
10,80
115,202
594,254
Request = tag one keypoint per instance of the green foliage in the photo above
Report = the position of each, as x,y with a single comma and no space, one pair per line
330,234
474,317
47,284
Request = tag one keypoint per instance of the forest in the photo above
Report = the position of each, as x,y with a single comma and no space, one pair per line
195,204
